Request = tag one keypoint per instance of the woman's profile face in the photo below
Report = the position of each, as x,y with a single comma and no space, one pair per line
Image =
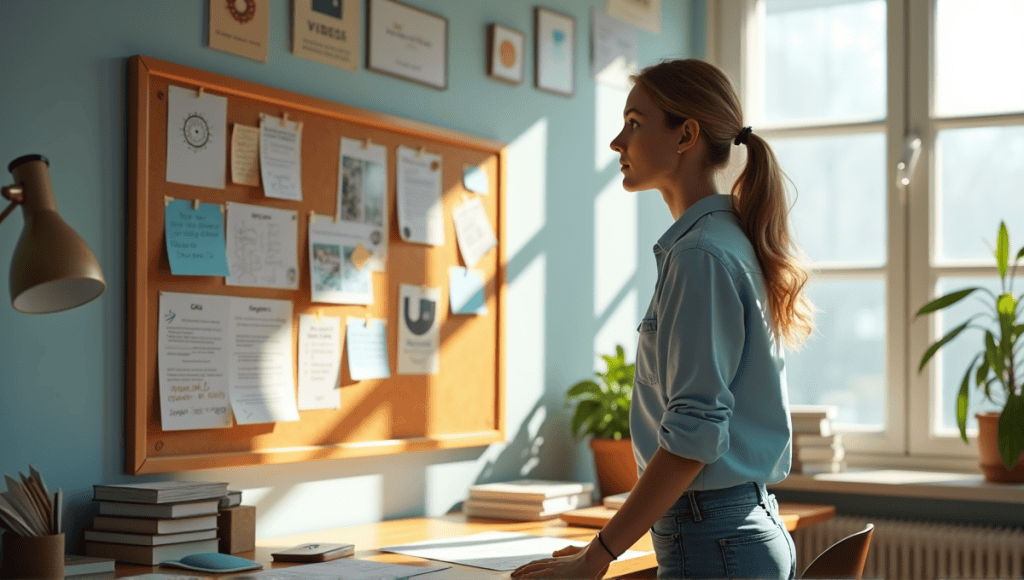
648,150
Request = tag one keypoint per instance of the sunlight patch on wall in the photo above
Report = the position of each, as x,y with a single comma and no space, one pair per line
286,510
608,104
619,328
615,243
525,345
526,196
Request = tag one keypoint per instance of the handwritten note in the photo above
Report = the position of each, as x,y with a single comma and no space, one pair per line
245,167
195,239
192,362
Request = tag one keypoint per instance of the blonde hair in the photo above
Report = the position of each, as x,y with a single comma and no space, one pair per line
693,89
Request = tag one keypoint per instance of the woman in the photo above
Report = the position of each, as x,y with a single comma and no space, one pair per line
710,417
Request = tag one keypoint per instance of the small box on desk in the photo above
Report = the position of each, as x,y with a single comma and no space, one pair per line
237,528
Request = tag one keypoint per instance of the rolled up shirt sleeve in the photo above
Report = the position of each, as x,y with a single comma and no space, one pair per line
701,341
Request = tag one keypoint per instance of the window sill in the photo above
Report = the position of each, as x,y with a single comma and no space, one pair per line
907,484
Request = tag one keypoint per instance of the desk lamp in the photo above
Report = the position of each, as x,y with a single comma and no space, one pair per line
53,268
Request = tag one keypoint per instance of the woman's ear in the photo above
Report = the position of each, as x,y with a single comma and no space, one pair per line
689,131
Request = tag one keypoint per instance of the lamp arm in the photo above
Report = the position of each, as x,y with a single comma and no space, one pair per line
13,193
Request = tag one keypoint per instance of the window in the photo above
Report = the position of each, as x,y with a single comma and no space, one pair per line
850,93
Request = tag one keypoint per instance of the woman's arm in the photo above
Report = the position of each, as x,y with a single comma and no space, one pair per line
662,483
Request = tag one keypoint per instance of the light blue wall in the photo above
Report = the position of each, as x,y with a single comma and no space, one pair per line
580,268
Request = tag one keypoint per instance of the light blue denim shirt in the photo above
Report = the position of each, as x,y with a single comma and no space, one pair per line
709,382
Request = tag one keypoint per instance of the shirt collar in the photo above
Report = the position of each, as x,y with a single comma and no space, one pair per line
703,207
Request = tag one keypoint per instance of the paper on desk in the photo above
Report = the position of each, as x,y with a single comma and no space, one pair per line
500,551
346,569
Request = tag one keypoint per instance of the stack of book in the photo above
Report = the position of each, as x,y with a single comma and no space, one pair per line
527,499
817,448
148,523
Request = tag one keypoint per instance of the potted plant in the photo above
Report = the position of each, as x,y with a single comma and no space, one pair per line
602,411
1000,435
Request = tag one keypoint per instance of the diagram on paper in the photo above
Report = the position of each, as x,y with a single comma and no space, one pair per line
262,247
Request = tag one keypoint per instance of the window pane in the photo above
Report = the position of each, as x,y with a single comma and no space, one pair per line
953,358
824,60
979,180
843,363
839,214
978,51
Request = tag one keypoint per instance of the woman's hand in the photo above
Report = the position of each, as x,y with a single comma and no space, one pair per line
569,562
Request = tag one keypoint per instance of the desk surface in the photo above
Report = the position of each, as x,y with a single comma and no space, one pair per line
367,538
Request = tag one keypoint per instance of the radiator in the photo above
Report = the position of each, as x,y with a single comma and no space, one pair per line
911,550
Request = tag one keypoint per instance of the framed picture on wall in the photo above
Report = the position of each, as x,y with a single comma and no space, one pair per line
554,36
505,48
407,42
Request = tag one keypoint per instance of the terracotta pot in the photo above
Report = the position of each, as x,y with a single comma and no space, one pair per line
988,450
615,464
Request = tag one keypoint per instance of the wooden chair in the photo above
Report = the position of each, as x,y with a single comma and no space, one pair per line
844,559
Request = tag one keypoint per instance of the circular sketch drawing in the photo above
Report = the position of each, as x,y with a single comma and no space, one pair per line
197,131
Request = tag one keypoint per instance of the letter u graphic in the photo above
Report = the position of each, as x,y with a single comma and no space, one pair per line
426,320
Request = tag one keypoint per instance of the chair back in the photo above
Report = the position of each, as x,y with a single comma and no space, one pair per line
844,559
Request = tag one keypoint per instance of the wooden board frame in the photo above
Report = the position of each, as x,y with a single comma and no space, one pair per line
463,406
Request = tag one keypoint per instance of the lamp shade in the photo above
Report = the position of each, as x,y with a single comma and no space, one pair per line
53,268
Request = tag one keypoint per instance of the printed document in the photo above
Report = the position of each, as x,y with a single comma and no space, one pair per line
420,212
196,140
418,329
319,362
192,361
262,375
339,270
280,158
262,247
492,550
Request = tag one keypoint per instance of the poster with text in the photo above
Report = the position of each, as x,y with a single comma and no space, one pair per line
327,31
418,330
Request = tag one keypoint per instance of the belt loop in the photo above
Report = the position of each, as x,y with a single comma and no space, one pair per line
762,495
693,506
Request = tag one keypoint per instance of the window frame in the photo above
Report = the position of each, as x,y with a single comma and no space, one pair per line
907,438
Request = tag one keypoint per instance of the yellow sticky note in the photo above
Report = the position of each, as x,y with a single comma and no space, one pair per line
359,256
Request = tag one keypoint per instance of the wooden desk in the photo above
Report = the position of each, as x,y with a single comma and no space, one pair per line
369,537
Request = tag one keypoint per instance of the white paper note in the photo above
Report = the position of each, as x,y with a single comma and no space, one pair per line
196,140
420,212
347,569
280,158
492,550
367,342
245,167
319,362
192,363
262,372
336,252
262,246
418,329
363,195
473,231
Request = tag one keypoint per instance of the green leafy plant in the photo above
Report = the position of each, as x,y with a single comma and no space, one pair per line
602,410
996,363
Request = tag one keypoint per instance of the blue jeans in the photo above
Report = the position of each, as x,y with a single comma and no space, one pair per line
724,533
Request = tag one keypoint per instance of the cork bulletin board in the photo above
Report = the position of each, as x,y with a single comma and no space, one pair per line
460,406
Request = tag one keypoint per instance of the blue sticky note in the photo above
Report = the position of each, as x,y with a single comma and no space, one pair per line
474,179
466,291
195,239
367,344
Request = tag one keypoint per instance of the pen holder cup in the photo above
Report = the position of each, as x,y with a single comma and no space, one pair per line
32,556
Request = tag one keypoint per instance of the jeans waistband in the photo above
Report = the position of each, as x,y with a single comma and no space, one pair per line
695,502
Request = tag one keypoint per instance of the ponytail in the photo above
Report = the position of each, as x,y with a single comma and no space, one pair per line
759,200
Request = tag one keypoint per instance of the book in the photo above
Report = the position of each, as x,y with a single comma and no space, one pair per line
528,489
148,539
233,498
159,491
614,502
75,565
816,411
816,440
164,510
555,504
148,555
811,454
821,427
154,525
471,509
